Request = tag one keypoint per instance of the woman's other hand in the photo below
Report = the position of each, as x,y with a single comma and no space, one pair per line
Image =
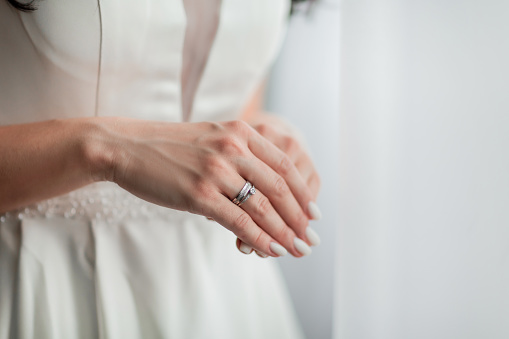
289,140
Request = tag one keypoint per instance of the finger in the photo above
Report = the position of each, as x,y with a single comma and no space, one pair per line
287,144
314,184
275,207
243,247
240,244
308,172
268,153
259,207
261,255
305,166
239,222
296,153
292,148
265,216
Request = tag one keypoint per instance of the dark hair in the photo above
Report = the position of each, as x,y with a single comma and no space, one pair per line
29,6
295,3
25,7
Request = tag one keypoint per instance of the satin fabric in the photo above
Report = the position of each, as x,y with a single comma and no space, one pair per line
99,262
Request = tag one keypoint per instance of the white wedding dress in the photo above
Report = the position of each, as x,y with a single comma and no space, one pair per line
99,262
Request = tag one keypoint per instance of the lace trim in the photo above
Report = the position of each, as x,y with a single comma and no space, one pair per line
94,203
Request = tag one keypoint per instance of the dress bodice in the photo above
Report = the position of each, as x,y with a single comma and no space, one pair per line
79,58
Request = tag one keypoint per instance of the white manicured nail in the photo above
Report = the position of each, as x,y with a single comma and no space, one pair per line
278,249
314,211
313,238
301,246
246,249
260,254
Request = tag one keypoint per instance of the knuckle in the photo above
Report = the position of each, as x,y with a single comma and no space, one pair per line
215,126
238,126
241,225
287,141
263,206
291,145
280,187
202,187
284,233
301,221
230,145
285,165
263,129
203,193
258,242
214,165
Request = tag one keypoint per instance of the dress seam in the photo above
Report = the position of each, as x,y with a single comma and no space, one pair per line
99,61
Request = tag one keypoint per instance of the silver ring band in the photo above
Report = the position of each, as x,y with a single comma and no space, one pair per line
244,194
249,193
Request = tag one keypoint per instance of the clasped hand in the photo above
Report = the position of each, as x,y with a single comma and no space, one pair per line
200,168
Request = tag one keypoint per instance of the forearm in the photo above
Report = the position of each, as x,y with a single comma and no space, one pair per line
45,159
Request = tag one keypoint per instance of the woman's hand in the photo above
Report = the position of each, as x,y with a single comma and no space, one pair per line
201,167
290,141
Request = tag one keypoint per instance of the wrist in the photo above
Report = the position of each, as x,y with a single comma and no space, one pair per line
99,143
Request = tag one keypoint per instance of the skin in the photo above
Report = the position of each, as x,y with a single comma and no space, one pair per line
208,162
282,136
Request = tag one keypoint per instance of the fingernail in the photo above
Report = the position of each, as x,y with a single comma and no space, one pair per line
313,238
301,246
246,249
278,249
260,254
314,211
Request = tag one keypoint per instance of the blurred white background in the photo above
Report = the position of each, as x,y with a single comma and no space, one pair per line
424,170
304,89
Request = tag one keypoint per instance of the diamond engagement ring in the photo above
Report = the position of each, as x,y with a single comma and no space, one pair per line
244,194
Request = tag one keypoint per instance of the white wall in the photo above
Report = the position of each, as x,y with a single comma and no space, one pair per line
424,170
304,88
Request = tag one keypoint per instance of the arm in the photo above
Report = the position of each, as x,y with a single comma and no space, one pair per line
194,167
45,159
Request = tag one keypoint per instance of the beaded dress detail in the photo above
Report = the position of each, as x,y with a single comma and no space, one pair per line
94,203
